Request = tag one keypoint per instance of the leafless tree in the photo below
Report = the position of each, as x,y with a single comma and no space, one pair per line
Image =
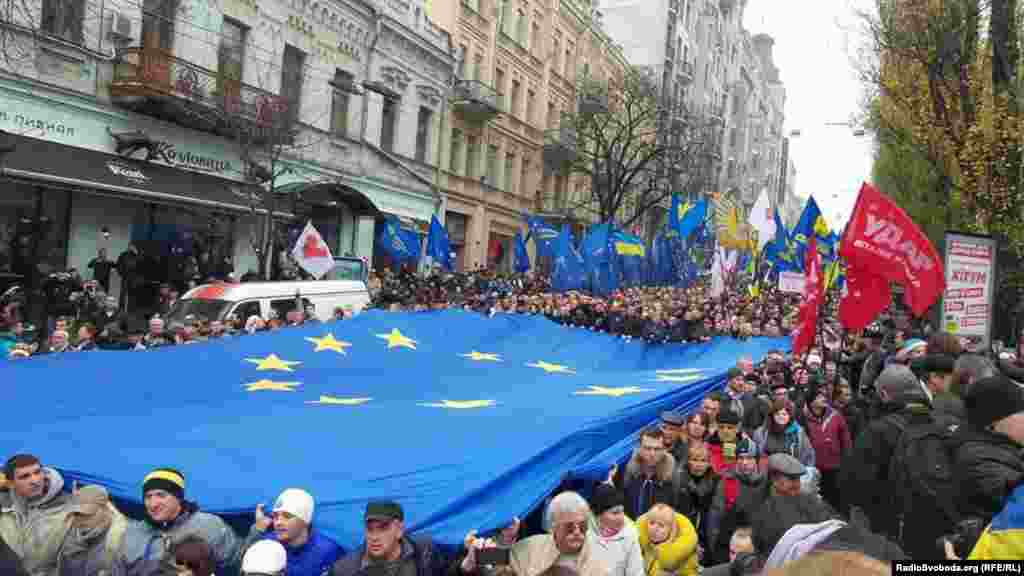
632,144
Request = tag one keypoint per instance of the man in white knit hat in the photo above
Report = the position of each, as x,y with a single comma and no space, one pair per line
309,552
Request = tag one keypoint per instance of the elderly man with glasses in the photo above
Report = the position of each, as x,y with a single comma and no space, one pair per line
569,542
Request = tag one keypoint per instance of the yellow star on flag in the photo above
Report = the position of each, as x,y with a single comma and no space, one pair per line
552,368
396,339
335,401
328,342
460,404
482,356
616,392
272,362
271,385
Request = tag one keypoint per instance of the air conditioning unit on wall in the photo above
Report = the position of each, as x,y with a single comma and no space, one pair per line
119,27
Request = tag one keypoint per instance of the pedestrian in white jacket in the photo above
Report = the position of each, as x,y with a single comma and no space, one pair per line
615,538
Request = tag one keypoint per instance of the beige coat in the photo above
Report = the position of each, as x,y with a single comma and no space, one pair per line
534,555
35,531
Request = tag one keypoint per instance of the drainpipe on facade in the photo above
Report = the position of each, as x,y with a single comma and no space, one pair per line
441,203
377,26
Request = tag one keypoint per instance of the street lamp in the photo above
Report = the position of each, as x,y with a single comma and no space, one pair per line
857,132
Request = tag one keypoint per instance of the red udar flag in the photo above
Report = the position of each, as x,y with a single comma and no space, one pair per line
865,295
814,294
882,239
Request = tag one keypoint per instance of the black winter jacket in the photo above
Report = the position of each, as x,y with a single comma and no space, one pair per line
988,467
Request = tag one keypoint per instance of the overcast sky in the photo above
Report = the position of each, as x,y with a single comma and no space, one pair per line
814,42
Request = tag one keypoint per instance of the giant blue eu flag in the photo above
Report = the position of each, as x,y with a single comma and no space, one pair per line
465,420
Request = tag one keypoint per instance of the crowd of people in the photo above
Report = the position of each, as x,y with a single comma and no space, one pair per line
653,314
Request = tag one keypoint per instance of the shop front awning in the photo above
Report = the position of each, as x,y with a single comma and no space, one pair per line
329,194
80,168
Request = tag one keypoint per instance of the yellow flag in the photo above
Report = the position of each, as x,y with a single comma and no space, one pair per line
821,227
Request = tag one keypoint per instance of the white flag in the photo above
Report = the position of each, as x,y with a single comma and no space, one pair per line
762,220
312,253
722,269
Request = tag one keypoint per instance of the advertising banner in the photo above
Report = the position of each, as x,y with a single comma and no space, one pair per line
791,282
970,287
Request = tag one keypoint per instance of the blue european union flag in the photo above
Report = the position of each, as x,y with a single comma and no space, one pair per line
568,272
543,234
402,245
438,247
597,259
425,408
522,257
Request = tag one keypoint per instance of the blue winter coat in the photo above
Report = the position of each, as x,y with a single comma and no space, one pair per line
313,558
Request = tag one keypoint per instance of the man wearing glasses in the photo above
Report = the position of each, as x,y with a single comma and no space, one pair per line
569,543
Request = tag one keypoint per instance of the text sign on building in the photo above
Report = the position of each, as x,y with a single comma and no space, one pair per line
791,282
970,286
90,129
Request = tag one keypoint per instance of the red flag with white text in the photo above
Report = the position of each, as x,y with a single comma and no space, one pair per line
865,295
814,294
881,238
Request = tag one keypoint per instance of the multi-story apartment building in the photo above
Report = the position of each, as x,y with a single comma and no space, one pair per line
520,64
87,86
726,79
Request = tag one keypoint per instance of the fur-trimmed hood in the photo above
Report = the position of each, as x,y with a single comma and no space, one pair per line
662,471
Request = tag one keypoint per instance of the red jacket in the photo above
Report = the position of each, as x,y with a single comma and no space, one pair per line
829,436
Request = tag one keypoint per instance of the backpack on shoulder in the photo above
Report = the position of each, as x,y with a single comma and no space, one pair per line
921,473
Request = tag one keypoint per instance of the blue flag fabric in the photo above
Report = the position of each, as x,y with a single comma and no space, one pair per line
400,244
438,247
676,213
544,235
811,222
568,272
425,408
693,219
522,257
597,260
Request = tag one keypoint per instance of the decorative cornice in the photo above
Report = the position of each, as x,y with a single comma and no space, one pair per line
429,94
396,78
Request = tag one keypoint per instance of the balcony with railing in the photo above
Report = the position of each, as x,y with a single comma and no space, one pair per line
475,101
157,83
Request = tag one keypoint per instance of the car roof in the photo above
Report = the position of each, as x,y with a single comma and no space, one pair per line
249,290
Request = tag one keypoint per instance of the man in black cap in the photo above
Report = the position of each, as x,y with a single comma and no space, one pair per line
671,432
388,549
743,404
989,463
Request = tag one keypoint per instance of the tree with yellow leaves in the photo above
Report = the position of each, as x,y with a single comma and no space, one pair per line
950,95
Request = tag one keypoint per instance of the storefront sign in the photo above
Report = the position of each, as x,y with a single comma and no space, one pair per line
791,282
967,302
86,128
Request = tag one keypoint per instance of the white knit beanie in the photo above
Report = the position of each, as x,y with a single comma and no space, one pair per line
296,502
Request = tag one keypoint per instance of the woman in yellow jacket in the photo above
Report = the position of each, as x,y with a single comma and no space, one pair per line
668,542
